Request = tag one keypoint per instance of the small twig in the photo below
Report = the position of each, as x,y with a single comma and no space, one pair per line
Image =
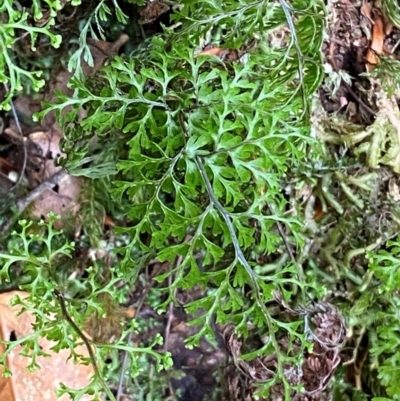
226,217
300,273
50,183
86,341
348,87
23,140
23,203
130,338
282,235
170,309
358,370
358,99
177,263
167,330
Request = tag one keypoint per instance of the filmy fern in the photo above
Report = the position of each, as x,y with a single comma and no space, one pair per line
58,318
206,143
13,20
38,23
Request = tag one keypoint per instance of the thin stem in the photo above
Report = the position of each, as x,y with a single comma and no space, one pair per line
23,140
92,357
129,340
242,259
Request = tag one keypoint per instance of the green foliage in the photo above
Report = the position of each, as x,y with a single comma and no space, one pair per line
93,26
391,11
387,71
38,24
59,318
385,337
194,149
17,20
206,144
376,313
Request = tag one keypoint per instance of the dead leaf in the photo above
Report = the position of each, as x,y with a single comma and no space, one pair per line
378,36
225,54
47,146
61,201
215,51
152,11
64,198
41,384
376,47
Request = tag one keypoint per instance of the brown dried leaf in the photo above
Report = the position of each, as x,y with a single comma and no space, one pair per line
47,150
65,198
376,47
152,11
214,51
62,202
224,54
